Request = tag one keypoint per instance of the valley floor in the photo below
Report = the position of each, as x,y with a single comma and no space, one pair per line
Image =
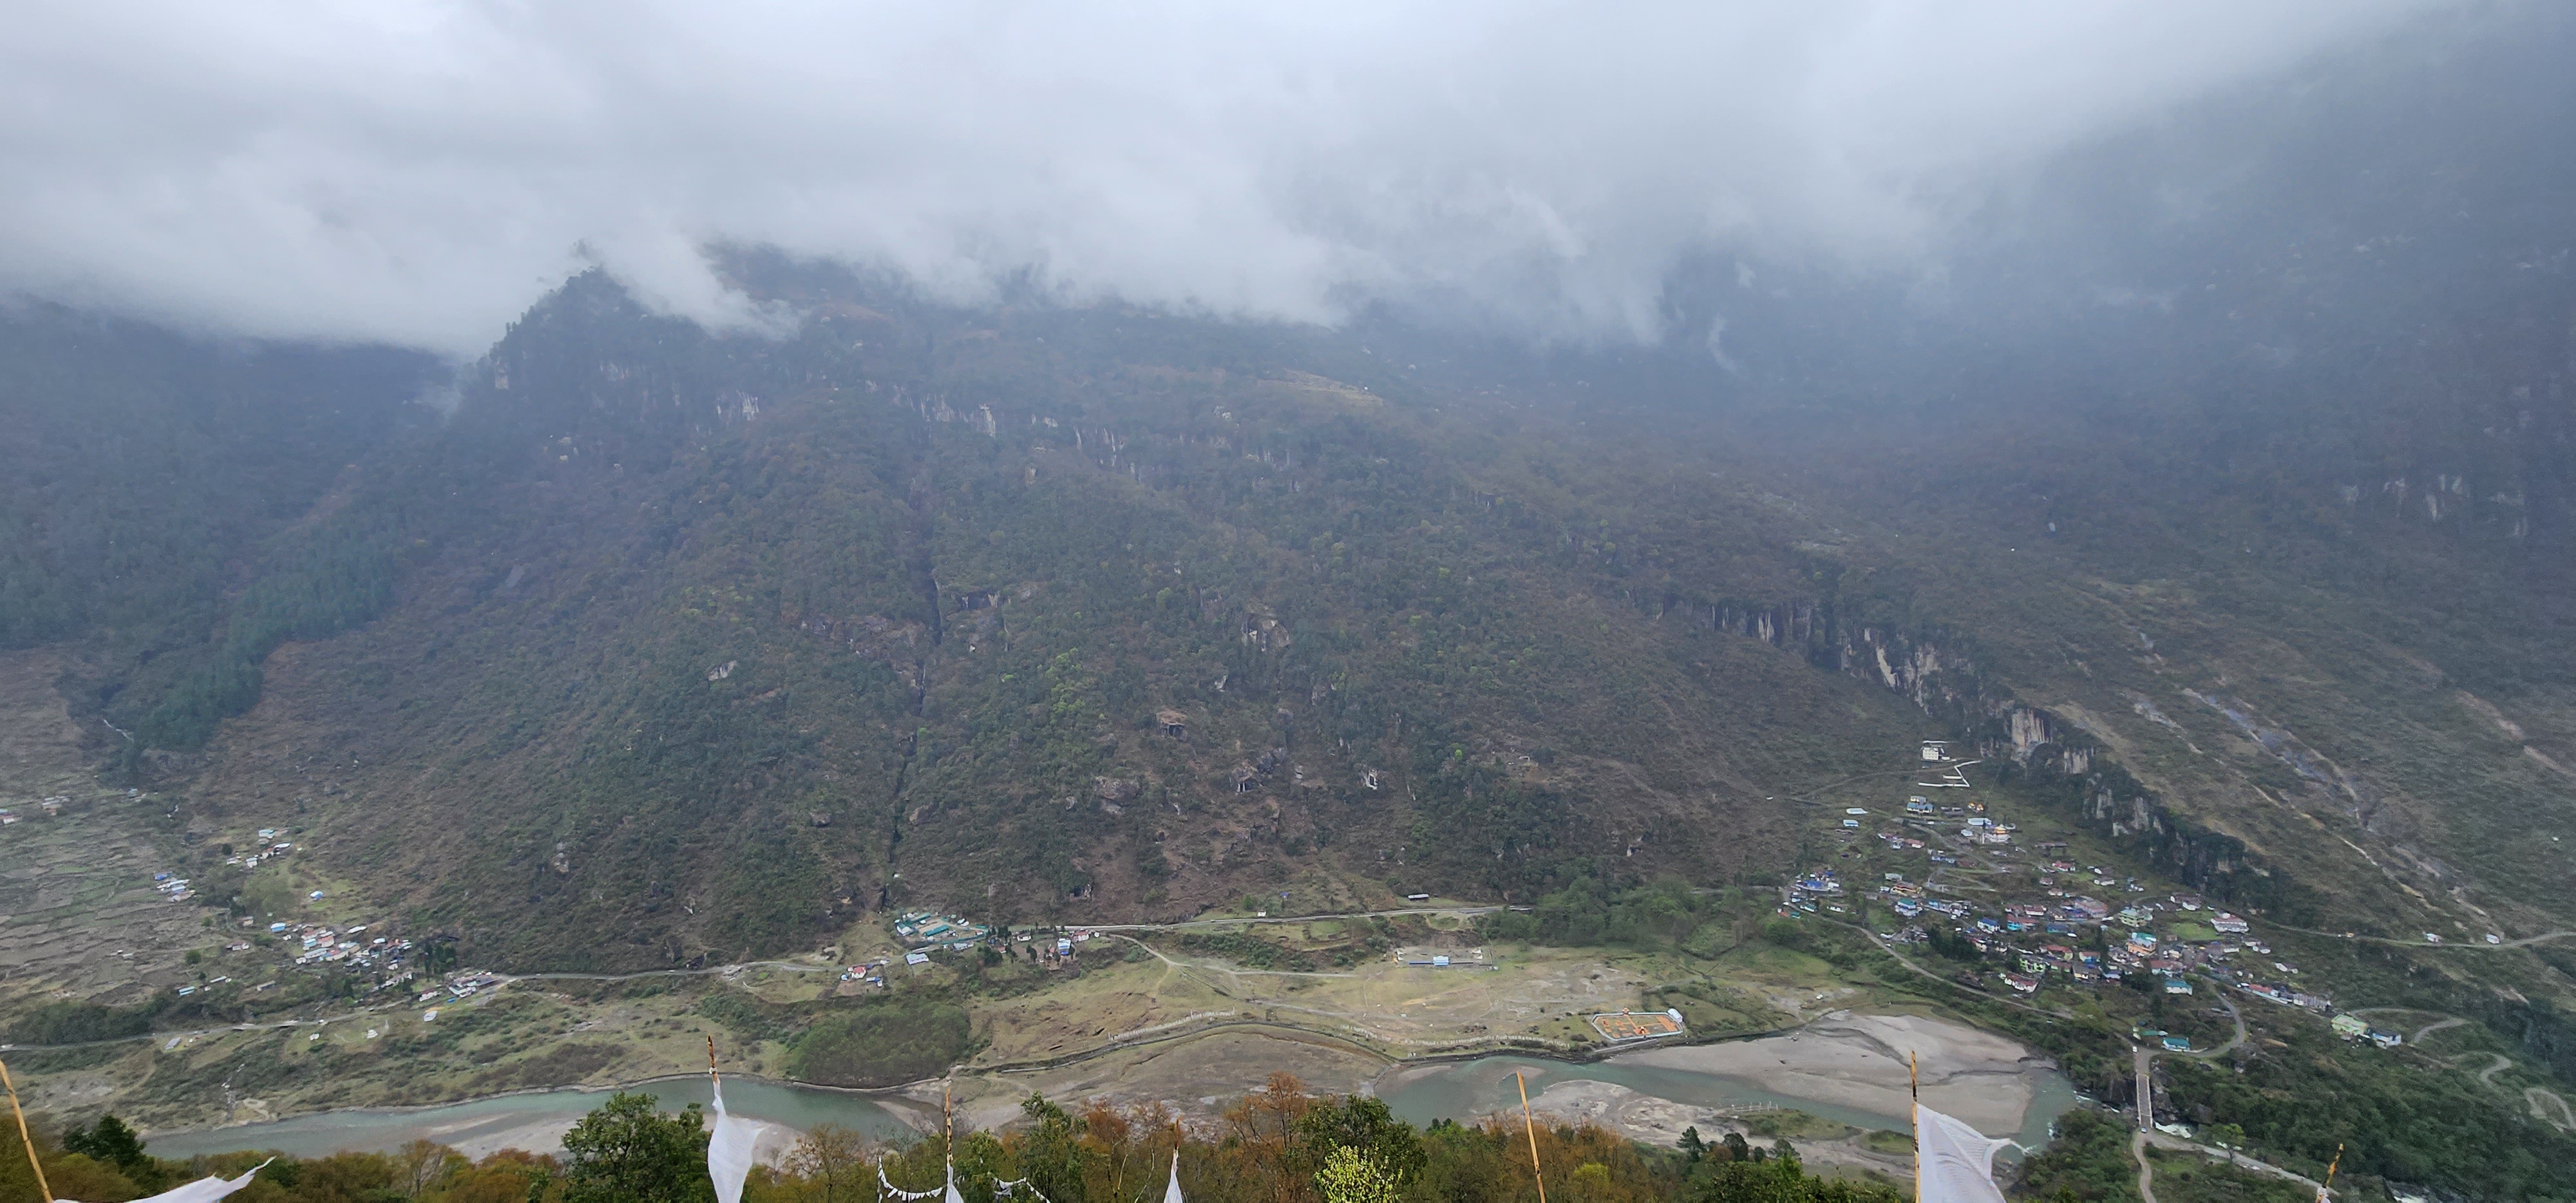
1143,1022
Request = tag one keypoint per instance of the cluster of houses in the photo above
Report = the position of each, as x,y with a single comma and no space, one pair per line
1820,890
460,985
322,944
175,888
927,932
2057,925
870,973
269,849
351,948
2162,1039
931,931
2351,1028
52,806
2048,938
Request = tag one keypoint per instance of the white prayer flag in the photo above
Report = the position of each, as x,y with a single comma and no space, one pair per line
729,1151
203,1190
1172,1193
898,1192
1953,1163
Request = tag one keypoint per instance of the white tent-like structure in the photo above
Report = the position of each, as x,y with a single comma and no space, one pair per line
1953,1162
729,1151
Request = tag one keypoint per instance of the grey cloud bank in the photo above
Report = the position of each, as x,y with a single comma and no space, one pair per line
418,172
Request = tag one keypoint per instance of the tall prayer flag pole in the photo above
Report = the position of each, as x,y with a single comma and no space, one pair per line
25,1139
1531,1127
1914,1092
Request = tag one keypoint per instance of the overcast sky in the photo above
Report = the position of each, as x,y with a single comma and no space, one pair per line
420,172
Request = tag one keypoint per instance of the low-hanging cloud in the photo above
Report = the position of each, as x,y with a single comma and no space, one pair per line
419,172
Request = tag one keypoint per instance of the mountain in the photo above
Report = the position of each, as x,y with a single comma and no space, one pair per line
664,643
706,645
2219,482
2217,496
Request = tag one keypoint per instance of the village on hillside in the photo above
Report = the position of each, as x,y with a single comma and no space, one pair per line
1936,869
1939,871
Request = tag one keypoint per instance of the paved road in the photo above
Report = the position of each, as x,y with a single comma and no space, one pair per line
2430,1028
2234,1015
2241,1161
789,966
1464,912
2464,944
2544,1104
2146,1091
1901,959
2144,1068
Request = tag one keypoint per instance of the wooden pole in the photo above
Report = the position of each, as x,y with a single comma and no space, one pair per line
2326,1192
1914,1114
23,1138
1531,1127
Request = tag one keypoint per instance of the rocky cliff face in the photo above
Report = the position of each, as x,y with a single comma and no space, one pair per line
2024,744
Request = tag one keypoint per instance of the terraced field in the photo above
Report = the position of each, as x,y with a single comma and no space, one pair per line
78,915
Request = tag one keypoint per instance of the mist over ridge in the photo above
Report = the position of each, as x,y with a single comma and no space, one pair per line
421,174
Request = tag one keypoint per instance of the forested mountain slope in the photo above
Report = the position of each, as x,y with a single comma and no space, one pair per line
146,470
668,643
697,643
2244,529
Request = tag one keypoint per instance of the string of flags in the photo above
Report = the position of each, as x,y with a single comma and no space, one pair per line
1008,1190
203,1190
897,1192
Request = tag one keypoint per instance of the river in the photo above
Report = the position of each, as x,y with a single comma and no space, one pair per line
1483,1086
534,1120
1421,1094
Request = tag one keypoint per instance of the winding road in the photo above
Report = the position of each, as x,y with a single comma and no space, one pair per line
2147,1134
1952,982
2546,1105
2446,946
